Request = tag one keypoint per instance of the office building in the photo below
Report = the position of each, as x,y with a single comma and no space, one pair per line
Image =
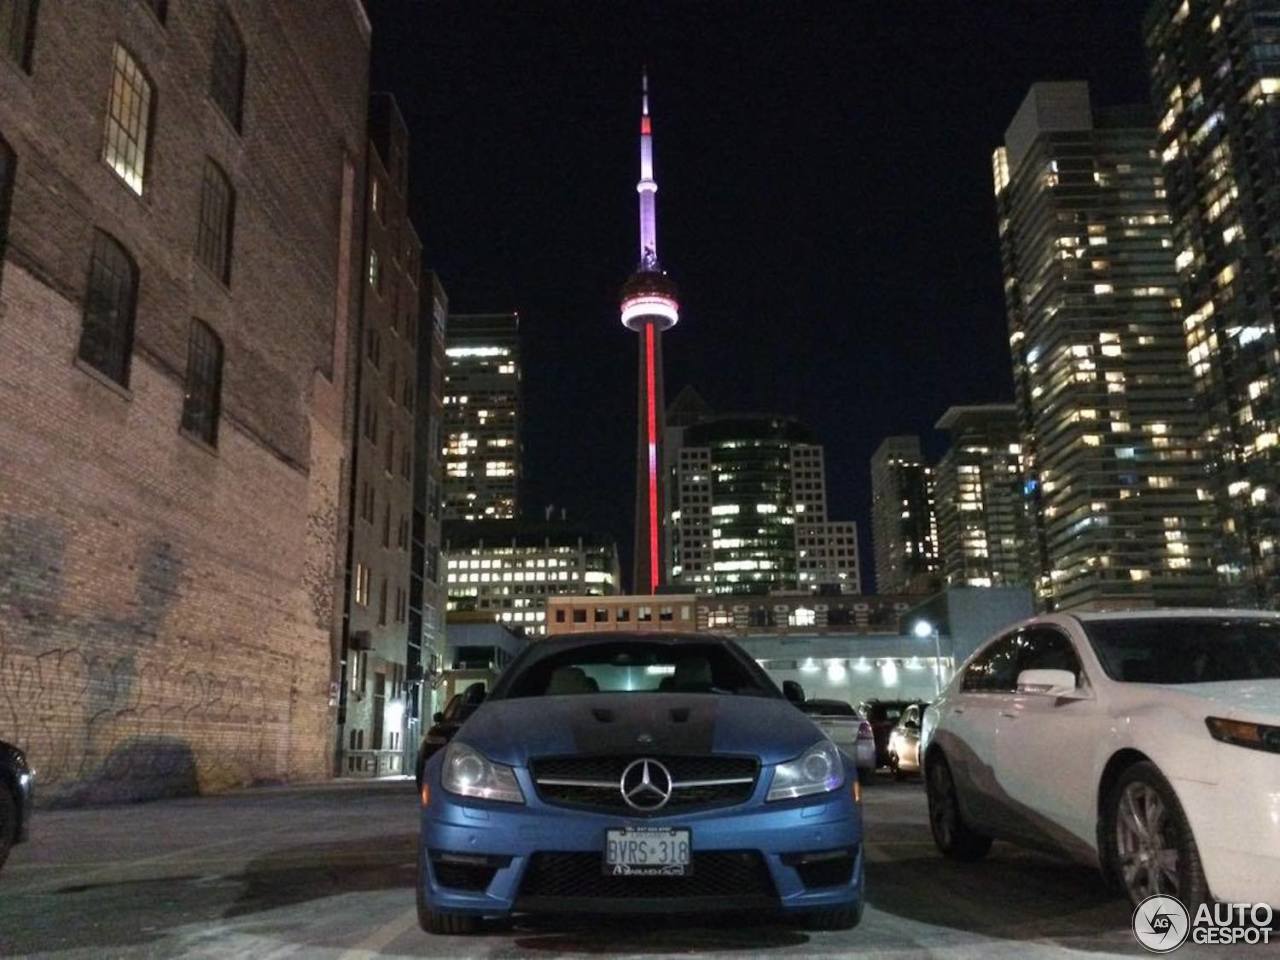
482,417
983,523
427,594
749,509
508,569
181,211
373,719
1111,446
1215,73
904,526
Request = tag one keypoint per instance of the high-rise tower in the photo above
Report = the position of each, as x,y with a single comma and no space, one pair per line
649,307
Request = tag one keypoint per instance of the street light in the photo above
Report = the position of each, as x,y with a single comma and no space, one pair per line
923,629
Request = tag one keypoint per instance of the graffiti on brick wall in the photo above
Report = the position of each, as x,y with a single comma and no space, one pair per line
127,700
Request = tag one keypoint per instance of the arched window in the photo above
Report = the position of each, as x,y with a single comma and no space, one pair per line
128,128
106,335
202,401
8,170
226,84
217,218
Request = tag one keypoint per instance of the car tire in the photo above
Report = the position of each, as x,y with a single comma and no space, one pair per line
953,837
1142,796
895,767
442,924
8,821
840,918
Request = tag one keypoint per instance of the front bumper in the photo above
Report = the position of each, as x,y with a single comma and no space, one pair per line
1236,823
518,844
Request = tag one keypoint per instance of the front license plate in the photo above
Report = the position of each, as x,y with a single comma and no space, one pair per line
646,852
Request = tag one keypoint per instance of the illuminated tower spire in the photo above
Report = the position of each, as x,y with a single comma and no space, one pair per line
649,306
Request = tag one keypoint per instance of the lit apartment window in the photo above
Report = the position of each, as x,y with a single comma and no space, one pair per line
226,84
106,336
18,30
217,214
375,271
202,401
128,120
361,581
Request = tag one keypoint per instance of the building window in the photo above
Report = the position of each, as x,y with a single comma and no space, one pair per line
382,603
128,120
226,84
217,217
386,524
18,30
202,401
579,616
8,172
375,190
361,582
373,348
560,615
106,337
375,271
389,451
623,615
159,7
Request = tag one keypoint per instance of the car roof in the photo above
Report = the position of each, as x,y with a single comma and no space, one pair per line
569,641
1170,613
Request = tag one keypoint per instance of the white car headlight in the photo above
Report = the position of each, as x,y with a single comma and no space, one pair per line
469,773
819,769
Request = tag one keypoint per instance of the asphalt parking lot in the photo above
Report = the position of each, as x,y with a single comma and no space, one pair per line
327,871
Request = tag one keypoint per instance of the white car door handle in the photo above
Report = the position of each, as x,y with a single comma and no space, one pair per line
1006,713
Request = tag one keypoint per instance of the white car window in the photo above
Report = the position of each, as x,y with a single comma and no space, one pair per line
995,670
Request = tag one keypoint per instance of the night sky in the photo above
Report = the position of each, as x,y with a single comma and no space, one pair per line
824,203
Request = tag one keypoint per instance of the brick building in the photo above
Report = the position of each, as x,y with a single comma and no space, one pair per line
183,186
376,698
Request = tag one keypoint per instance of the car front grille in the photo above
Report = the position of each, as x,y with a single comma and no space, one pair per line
594,782
713,873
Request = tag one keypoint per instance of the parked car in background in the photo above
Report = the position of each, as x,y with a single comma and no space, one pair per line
847,730
446,723
904,742
17,783
883,715
1145,743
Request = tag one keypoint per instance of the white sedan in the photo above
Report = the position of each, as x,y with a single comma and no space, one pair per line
1145,743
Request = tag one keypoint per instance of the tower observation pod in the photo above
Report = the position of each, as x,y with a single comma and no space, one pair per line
649,306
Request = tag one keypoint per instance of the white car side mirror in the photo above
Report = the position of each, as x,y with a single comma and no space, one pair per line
1049,683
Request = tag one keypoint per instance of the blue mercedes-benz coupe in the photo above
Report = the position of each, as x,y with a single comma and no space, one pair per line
650,773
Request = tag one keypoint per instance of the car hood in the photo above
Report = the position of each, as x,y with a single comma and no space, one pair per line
512,731
1257,700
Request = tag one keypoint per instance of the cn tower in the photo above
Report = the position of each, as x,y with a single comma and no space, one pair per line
649,307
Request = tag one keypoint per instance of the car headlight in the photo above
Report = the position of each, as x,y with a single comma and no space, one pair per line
1257,736
820,769
469,773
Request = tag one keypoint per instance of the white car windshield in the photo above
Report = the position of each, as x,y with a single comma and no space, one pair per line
1187,650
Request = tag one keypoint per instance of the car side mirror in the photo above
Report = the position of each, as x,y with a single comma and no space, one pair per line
474,694
793,691
1049,683
437,717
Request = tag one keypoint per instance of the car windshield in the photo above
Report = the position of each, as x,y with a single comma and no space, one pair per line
1191,650
639,667
828,708
885,712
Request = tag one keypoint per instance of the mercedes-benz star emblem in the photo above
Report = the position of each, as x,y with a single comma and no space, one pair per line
646,785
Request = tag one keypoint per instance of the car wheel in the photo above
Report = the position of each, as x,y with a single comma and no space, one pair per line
952,835
841,918
8,822
1151,847
895,767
